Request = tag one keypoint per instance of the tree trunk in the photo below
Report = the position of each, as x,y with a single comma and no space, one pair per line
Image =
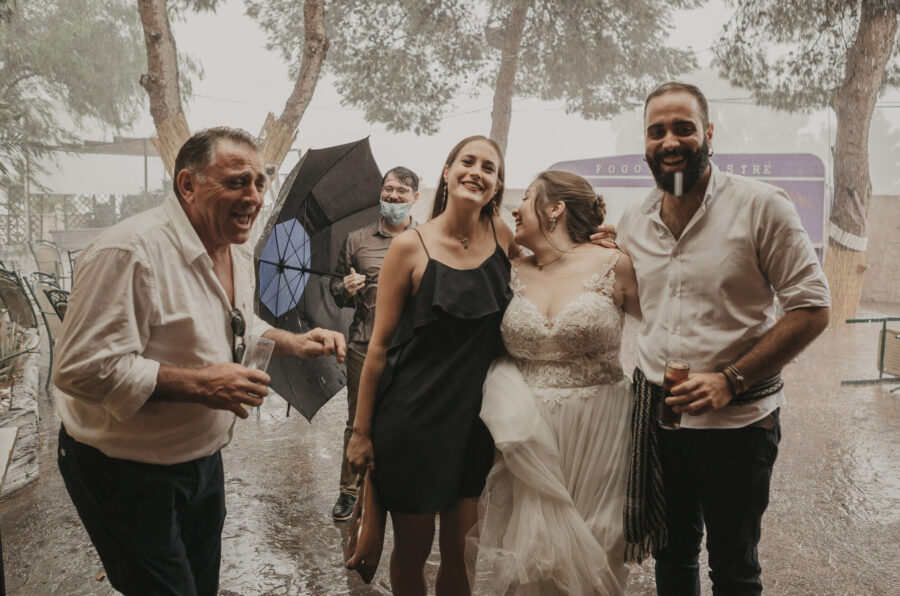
505,87
853,104
277,136
161,81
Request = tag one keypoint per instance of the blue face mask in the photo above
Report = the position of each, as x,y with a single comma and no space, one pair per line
394,213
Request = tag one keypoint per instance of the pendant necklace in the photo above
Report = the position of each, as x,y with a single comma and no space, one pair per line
541,266
464,240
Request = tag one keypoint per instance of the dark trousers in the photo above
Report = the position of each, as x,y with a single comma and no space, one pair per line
719,478
354,362
157,528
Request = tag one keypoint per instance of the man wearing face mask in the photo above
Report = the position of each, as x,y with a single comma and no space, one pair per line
360,262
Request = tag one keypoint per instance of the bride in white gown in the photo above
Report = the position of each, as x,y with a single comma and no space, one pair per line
558,407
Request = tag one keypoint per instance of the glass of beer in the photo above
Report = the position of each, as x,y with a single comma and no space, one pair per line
677,370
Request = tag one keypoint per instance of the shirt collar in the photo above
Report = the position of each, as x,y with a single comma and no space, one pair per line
379,227
190,245
651,203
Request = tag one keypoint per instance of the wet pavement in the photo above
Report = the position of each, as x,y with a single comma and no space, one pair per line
833,525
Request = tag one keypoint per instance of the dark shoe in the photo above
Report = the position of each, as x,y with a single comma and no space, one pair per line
343,507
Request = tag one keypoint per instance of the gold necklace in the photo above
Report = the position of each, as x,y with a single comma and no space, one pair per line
464,240
541,266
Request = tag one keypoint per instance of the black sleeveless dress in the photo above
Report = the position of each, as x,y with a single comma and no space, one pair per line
431,448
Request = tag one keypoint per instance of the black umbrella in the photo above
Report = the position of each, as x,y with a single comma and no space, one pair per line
329,193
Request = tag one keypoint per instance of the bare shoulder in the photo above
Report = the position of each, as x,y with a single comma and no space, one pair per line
601,256
406,244
505,236
624,261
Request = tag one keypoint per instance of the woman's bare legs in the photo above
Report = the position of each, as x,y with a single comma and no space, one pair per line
413,536
455,524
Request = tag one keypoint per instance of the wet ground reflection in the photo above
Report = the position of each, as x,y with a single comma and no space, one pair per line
832,527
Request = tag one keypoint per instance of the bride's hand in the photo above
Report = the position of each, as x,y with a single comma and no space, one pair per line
360,454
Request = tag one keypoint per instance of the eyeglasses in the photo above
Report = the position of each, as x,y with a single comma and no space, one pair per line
238,327
400,190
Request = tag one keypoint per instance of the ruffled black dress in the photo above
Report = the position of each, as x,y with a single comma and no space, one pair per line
431,448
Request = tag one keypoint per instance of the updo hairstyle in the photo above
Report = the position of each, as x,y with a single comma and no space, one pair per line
585,209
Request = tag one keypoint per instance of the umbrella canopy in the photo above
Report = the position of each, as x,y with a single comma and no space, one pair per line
284,267
329,193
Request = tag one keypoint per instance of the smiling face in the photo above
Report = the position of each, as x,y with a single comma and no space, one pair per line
530,223
223,203
473,176
395,190
676,139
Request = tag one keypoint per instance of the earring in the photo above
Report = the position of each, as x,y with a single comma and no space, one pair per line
445,193
552,225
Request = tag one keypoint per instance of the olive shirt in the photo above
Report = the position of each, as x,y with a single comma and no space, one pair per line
364,251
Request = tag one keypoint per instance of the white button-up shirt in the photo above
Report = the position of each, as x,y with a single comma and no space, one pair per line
708,296
145,294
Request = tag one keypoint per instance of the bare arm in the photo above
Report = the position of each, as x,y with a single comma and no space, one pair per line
506,238
625,290
394,286
225,386
706,392
312,344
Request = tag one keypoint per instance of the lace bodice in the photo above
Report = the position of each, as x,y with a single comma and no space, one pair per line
575,351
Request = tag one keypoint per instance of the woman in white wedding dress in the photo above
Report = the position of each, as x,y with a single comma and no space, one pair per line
558,406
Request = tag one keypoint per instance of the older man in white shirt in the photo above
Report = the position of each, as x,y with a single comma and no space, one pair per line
710,258
149,373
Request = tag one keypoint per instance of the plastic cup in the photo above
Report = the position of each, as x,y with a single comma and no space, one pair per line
257,354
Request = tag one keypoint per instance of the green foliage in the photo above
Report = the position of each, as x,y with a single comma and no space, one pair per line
183,6
599,56
405,61
793,55
80,58
6,9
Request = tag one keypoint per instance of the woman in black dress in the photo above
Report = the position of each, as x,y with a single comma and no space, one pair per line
442,292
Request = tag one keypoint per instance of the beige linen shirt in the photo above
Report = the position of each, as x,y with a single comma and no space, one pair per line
145,294
708,297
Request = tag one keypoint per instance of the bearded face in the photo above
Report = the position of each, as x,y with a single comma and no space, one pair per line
693,168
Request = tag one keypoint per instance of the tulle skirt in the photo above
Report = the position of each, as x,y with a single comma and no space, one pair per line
551,515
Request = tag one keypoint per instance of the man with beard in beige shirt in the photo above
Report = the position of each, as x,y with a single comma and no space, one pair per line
149,373
711,255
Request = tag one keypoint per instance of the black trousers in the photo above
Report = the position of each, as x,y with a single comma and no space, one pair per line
720,479
157,528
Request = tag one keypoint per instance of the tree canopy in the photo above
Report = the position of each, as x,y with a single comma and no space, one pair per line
79,59
405,62
793,55
823,53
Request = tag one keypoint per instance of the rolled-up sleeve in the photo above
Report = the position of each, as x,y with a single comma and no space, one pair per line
107,326
787,258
